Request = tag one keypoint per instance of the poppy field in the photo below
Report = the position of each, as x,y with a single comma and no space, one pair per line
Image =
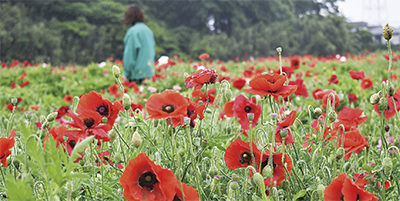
268,128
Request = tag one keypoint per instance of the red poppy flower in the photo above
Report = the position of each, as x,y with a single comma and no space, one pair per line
357,75
361,182
10,107
168,104
223,69
390,112
95,102
68,99
57,134
343,188
200,96
279,170
239,83
284,124
270,85
195,110
237,155
189,192
333,80
350,117
204,56
224,77
352,98
5,146
13,85
88,122
201,77
35,107
366,83
354,141
295,62
23,76
301,88
227,110
243,106
394,77
247,73
113,89
324,95
24,84
144,180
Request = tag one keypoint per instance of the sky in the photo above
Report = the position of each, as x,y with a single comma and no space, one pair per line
374,12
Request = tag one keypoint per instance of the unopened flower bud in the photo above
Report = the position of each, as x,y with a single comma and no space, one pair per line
267,172
116,71
320,190
332,116
14,100
346,167
318,111
228,94
104,120
200,102
235,177
16,163
27,178
340,153
387,166
117,158
28,115
42,119
374,99
284,132
136,139
186,120
285,185
126,102
234,185
203,144
387,127
250,116
273,116
258,179
112,135
181,152
382,104
391,89
213,171
387,31
51,116
215,183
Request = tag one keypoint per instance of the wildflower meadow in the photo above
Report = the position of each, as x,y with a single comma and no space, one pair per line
267,128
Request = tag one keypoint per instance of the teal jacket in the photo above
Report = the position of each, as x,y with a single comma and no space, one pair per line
139,52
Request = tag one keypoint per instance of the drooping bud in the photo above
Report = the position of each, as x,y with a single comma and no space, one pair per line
382,104
340,153
320,190
200,102
136,139
16,163
14,100
258,179
391,90
387,31
117,158
387,166
374,99
28,115
387,127
215,183
112,135
51,116
228,94
346,167
104,120
332,116
213,171
267,172
42,119
126,102
318,111
116,71
285,185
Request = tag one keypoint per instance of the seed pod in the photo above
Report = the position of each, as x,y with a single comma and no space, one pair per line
28,115
14,100
136,139
213,171
285,185
234,185
117,158
235,177
387,31
318,111
51,116
284,132
273,116
387,127
250,116
320,190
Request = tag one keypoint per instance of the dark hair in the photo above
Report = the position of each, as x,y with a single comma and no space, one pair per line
133,14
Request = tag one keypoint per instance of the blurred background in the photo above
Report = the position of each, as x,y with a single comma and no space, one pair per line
64,31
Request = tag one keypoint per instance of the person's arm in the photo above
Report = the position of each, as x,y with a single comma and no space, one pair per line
131,49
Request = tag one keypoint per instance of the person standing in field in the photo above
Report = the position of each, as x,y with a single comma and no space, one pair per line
139,47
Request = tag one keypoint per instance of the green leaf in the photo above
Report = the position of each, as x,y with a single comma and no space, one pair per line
80,148
18,190
79,176
299,194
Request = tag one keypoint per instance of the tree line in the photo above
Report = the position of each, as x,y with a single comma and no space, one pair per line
65,31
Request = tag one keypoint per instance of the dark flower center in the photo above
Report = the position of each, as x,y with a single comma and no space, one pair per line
245,158
102,109
168,108
72,143
1,157
89,122
247,109
176,198
295,63
147,180
265,163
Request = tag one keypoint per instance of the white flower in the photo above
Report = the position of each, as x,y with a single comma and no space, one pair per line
102,64
44,65
163,60
343,59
